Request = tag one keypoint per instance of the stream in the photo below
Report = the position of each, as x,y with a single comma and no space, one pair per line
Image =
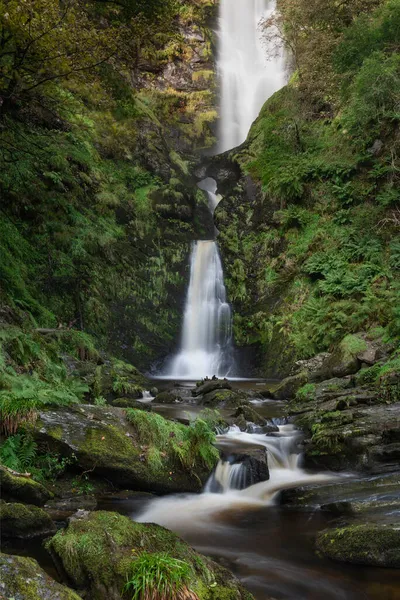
270,547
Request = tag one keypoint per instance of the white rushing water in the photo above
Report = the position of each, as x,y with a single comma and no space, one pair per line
207,333
247,78
186,513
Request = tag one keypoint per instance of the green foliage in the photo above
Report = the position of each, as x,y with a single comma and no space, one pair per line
158,576
21,453
183,445
306,393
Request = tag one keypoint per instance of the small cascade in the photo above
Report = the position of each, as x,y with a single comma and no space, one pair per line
206,347
227,477
247,78
226,488
147,397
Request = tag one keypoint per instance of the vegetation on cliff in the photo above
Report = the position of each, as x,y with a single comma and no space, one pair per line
316,255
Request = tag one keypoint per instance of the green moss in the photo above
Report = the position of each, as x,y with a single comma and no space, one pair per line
374,545
21,520
23,578
306,393
22,489
97,553
352,345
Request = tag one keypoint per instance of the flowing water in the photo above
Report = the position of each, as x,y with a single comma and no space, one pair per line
247,78
269,548
206,347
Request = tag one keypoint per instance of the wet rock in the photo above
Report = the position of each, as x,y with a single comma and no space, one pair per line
207,386
22,489
224,398
362,544
103,441
22,579
255,464
167,398
311,365
24,521
362,495
100,566
130,403
289,386
250,415
60,510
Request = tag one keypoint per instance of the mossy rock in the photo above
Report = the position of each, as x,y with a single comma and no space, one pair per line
23,579
97,551
167,398
209,385
22,489
24,521
131,403
289,387
223,398
101,439
373,545
250,415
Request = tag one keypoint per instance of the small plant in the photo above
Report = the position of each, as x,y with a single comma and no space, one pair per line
159,576
82,484
306,393
100,401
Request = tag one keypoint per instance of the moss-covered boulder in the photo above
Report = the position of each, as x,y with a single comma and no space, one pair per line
22,489
289,386
131,448
167,398
210,385
224,398
250,415
23,579
24,521
374,545
98,551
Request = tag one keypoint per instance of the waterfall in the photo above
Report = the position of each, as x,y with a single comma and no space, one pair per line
206,347
247,79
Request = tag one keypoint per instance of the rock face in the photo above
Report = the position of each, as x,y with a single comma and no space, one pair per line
97,551
207,386
22,579
22,489
373,545
24,521
102,440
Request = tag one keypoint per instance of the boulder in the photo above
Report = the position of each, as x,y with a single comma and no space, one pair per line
167,398
250,415
104,441
24,521
224,398
22,579
289,386
131,403
22,489
255,464
98,552
210,385
362,544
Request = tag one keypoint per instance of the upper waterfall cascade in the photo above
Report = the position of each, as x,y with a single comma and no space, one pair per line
247,78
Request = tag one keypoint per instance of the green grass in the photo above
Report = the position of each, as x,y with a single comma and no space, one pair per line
186,446
158,576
